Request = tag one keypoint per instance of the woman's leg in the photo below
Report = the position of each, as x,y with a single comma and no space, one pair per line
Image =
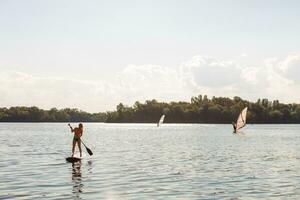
79,146
73,147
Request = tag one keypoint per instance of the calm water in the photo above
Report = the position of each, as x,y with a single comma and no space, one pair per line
142,161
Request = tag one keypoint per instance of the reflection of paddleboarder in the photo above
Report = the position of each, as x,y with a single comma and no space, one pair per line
77,179
234,127
76,139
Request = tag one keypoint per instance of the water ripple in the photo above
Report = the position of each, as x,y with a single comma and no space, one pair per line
141,161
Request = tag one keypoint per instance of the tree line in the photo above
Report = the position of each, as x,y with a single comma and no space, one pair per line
200,109
35,114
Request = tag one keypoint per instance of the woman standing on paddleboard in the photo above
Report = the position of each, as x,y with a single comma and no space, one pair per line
76,139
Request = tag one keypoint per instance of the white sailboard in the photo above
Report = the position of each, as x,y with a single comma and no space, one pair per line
241,121
161,120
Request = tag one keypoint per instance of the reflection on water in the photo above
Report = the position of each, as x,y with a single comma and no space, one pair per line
90,162
77,179
240,134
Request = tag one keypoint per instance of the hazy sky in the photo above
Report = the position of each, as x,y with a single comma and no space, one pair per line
95,54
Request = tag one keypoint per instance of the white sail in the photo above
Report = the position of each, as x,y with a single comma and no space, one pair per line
241,121
161,120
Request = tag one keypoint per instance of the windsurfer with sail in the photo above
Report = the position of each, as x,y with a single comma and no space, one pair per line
78,131
241,120
161,120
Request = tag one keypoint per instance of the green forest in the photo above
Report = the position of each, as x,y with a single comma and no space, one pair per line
200,109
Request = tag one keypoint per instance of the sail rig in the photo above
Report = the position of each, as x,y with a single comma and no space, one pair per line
241,121
161,120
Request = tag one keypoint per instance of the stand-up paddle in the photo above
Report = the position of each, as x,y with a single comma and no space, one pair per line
87,149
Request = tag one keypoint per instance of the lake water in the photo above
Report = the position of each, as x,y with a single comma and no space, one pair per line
142,161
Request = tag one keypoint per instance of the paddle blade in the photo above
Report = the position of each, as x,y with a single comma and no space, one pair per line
89,151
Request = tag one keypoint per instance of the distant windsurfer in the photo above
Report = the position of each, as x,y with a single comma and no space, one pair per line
161,120
241,120
78,131
234,127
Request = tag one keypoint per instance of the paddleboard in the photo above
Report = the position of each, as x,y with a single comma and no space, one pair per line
73,159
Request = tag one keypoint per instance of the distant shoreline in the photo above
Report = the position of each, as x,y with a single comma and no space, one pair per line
200,110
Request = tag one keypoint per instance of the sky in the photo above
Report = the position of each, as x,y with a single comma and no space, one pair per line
93,55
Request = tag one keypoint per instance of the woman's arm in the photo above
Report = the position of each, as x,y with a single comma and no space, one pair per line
72,130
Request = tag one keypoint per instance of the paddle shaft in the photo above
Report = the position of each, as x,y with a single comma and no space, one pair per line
87,149
82,143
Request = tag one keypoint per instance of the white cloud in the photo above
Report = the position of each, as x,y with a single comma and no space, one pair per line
274,79
251,75
283,78
290,67
209,72
152,81
23,89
